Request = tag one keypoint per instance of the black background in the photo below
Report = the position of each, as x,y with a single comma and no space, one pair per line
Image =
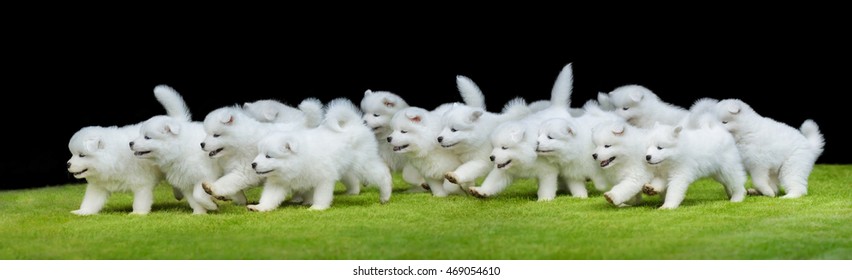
67,78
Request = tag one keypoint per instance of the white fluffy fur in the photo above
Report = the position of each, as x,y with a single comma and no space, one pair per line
641,107
466,130
620,151
379,107
311,161
514,147
774,153
310,112
685,155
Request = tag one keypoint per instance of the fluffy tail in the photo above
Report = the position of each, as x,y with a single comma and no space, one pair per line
173,102
700,114
561,93
470,92
515,109
811,131
312,108
342,114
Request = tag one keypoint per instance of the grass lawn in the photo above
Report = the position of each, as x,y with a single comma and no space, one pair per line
36,224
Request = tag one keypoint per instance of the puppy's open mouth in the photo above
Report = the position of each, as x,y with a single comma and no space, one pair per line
142,153
216,152
450,145
606,163
501,165
376,128
540,151
399,148
77,174
264,172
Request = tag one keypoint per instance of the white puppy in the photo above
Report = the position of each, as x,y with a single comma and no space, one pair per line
685,155
413,135
514,147
641,107
309,111
172,144
466,132
620,149
311,161
232,138
567,143
774,153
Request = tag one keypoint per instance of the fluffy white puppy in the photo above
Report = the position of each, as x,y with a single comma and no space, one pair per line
232,138
466,132
413,135
642,108
567,143
620,149
172,144
514,147
685,155
311,161
268,110
774,153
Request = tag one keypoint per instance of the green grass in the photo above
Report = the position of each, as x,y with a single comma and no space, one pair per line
36,224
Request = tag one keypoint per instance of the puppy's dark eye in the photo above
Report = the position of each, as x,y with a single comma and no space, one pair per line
376,115
216,135
625,108
147,138
504,148
267,156
548,137
81,155
659,148
453,130
725,122
403,131
607,146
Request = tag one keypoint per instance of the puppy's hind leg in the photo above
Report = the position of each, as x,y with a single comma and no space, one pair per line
794,174
197,207
204,199
379,174
760,180
733,180
143,198
93,201
352,183
412,176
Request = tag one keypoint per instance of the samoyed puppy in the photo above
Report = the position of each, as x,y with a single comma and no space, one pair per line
685,155
232,137
309,112
774,153
413,134
311,161
172,144
567,143
620,151
642,108
514,147
466,132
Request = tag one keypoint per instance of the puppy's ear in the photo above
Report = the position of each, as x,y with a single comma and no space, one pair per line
618,130
172,127
475,115
677,131
368,92
517,135
92,145
270,115
228,119
413,117
734,108
636,96
388,103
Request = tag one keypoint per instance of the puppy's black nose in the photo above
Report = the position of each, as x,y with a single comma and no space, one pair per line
648,157
595,156
389,139
492,158
253,165
202,145
131,144
68,164
440,139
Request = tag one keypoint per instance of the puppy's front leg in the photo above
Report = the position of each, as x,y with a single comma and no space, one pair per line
143,198
676,191
270,198
469,171
93,201
323,195
547,184
577,188
494,183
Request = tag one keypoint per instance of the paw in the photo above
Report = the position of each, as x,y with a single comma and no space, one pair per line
199,212
253,208
474,191
649,190
318,208
451,176
208,188
545,199
668,207
580,196
753,192
609,199
792,195
138,213
80,212
426,186
353,192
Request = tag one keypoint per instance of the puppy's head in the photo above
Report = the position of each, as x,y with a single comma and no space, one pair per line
512,145
90,152
662,143
379,108
460,126
631,102
733,113
610,147
557,137
276,155
224,127
264,110
411,131
157,138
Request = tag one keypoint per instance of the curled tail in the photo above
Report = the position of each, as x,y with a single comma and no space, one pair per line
172,102
700,114
811,131
470,92
342,115
515,109
561,93
312,110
